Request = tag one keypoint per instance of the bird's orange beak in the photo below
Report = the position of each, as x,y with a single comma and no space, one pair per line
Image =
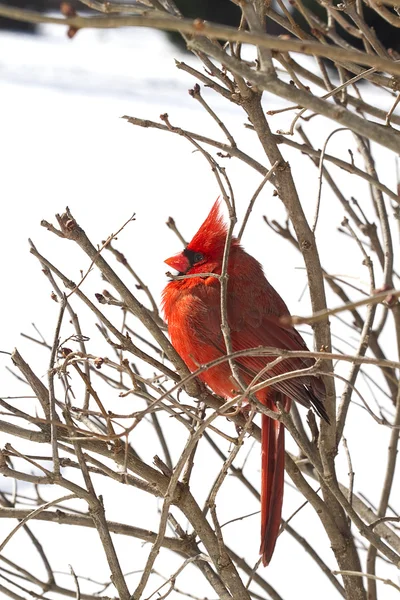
179,262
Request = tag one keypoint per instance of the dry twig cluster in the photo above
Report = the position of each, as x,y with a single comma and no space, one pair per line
71,424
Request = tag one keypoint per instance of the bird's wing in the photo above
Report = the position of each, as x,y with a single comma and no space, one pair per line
198,338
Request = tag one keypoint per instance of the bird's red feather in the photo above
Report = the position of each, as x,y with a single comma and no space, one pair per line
192,310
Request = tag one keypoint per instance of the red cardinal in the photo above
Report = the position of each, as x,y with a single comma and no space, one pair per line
192,310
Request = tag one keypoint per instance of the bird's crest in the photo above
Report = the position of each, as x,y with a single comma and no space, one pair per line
212,233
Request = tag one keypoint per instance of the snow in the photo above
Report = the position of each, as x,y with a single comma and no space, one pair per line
63,142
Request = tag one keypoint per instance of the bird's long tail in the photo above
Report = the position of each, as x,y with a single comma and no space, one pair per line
272,479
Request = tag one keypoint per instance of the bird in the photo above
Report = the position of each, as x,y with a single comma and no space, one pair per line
192,311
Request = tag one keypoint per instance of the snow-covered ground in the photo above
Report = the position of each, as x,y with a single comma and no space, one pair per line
63,143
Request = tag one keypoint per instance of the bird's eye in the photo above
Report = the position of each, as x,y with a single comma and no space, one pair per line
197,257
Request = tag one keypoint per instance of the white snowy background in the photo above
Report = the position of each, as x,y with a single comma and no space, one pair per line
63,143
